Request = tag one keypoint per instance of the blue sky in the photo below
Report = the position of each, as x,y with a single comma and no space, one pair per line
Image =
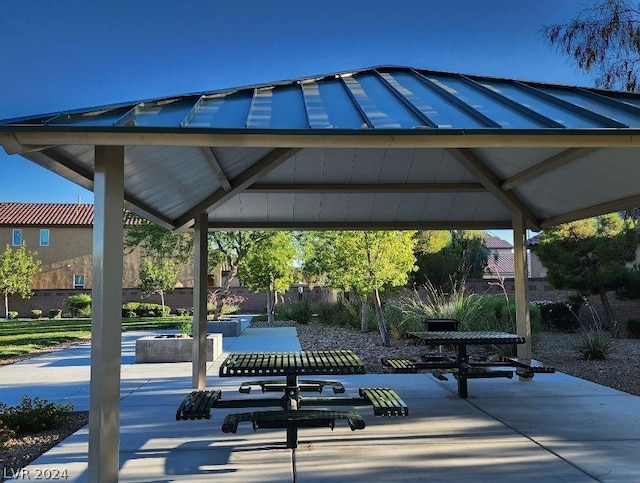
74,54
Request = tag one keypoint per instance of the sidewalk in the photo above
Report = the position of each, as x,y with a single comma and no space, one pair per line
556,428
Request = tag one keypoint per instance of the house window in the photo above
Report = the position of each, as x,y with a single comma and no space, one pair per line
16,239
44,237
78,281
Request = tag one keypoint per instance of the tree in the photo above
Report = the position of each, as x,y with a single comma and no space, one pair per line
158,277
449,257
604,38
365,262
157,242
590,256
269,267
17,269
230,249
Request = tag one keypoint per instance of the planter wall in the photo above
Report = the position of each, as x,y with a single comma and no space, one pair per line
228,328
174,349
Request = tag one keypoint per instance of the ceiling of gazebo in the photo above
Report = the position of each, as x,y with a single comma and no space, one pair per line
383,148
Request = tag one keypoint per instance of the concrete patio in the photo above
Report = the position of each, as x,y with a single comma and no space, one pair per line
556,428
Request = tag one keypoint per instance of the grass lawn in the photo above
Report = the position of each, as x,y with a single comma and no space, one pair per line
23,336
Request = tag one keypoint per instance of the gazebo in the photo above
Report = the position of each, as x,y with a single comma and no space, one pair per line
385,148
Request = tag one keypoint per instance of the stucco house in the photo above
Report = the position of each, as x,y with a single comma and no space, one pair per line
501,259
62,236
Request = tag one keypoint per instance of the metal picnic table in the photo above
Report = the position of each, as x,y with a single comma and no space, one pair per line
291,414
461,340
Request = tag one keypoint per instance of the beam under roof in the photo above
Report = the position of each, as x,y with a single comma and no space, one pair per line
549,164
63,166
215,166
595,210
367,188
219,225
260,168
24,139
472,163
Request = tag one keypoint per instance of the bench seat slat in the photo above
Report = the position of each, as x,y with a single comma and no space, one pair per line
385,402
401,366
198,404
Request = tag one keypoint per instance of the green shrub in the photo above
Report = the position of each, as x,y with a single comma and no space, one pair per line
80,304
182,312
325,312
434,303
5,433
185,327
398,323
144,310
55,314
36,313
499,317
229,309
33,415
595,345
13,315
300,312
560,315
342,313
633,328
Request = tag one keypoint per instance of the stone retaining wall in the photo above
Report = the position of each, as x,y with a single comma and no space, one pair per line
47,300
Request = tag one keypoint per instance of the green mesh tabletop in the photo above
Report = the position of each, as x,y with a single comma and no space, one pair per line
468,337
291,363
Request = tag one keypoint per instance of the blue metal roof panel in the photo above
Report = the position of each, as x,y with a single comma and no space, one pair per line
158,114
502,114
288,108
525,98
599,104
230,111
384,108
92,118
340,109
384,98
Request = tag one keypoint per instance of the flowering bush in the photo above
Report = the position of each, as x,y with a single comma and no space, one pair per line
231,302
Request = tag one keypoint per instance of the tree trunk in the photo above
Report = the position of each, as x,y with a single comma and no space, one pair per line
270,305
162,301
364,320
383,328
225,290
612,325
6,305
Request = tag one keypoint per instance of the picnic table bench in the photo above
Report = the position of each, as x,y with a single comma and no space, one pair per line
460,365
293,413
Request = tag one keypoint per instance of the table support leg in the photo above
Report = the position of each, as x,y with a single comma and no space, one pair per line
292,398
462,371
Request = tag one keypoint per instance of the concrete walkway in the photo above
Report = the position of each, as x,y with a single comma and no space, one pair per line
556,428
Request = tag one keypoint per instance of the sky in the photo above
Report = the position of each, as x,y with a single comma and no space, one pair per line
70,54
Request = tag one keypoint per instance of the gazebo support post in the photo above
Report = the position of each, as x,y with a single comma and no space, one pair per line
200,265
106,319
523,320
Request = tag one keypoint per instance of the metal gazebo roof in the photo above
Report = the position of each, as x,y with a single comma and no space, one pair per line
386,147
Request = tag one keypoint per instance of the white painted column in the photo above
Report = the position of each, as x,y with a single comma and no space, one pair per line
523,320
106,320
200,265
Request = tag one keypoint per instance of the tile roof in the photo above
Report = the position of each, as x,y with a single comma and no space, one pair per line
533,242
504,265
495,242
50,214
